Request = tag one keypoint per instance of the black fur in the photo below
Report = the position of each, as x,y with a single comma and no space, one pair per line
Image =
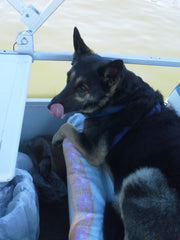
152,142
111,220
149,208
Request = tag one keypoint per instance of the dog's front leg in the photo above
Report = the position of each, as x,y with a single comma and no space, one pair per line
81,142
65,131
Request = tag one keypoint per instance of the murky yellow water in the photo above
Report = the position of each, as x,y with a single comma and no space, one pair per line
146,27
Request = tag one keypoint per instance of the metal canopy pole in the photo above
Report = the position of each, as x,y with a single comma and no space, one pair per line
33,19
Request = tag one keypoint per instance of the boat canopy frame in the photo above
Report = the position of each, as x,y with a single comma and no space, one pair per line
33,19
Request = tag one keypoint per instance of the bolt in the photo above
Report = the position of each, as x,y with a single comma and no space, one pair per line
24,41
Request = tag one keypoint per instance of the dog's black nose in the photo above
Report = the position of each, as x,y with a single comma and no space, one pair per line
49,105
53,100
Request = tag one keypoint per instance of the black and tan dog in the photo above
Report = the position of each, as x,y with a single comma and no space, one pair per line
129,130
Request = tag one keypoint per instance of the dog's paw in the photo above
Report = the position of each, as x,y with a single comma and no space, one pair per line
58,138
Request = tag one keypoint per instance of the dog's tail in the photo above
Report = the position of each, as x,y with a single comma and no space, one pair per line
148,207
113,228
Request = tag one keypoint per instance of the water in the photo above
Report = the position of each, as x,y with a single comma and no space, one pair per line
146,27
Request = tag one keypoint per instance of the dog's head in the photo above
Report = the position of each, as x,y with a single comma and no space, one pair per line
91,82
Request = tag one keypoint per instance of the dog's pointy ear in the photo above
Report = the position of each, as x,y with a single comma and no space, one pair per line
80,47
111,72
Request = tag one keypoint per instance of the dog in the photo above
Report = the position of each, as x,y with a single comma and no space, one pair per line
129,130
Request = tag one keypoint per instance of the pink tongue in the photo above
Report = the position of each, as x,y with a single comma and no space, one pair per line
57,110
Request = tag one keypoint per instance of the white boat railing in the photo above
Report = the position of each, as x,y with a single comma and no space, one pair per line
128,59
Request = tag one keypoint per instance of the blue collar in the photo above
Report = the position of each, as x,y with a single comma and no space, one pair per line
109,111
121,107
119,136
116,109
156,108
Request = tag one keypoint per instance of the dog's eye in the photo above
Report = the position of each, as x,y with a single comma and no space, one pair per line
82,87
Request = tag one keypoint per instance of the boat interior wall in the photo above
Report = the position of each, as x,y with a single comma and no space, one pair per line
37,120
14,75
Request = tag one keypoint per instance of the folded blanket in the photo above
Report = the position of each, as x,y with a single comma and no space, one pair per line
89,188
